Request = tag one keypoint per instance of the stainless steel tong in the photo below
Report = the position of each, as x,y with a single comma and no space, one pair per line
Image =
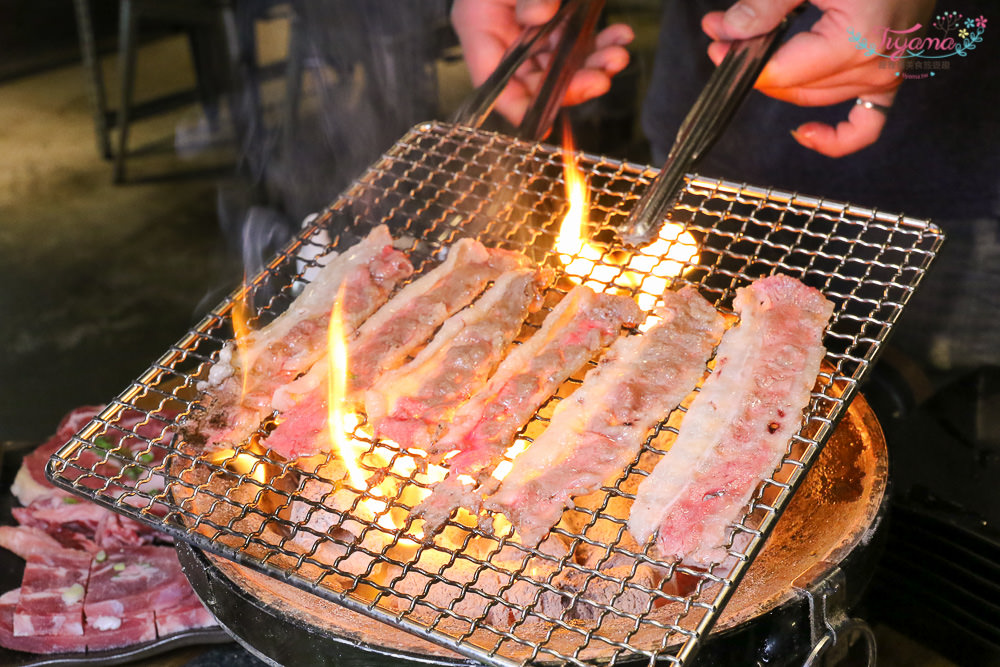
712,111
580,19
715,106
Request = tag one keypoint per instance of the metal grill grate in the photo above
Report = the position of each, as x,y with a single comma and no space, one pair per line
603,598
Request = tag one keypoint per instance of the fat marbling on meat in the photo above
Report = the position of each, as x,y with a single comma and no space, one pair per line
738,427
385,341
412,404
582,324
241,384
52,590
599,429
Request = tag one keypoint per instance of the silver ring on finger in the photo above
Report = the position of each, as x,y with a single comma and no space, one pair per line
874,106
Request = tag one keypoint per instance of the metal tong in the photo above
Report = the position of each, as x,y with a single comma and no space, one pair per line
712,111
580,18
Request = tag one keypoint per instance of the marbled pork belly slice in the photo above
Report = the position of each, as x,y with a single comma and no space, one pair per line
600,428
52,593
241,384
187,614
30,482
581,325
131,581
739,425
407,321
33,643
385,341
128,630
411,404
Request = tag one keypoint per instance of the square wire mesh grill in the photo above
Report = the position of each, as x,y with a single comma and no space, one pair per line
593,595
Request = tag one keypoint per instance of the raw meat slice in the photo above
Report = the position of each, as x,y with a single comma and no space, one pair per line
79,524
573,333
52,593
125,449
109,632
600,428
69,519
57,584
384,342
242,382
34,643
134,580
738,427
412,404
27,541
30,482
187,614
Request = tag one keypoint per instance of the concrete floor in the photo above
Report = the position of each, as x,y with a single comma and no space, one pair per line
97,279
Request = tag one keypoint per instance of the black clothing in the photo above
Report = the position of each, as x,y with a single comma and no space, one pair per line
938,156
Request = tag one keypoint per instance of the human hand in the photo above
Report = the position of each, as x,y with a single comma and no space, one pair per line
486,28
821,66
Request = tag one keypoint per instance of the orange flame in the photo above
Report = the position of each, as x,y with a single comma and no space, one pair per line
654,267
251,464
341,424
580,258
504,467
241,333
650,269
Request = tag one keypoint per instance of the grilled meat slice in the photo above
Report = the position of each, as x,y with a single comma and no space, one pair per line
738,427
582,324
384,341
412,404
599,429
241,384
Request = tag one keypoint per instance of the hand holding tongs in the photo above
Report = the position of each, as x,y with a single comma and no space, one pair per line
580,18
712,111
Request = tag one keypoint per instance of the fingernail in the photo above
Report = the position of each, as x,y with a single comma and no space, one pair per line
804,137
739,16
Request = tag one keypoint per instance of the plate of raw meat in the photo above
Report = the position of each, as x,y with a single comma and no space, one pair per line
80,584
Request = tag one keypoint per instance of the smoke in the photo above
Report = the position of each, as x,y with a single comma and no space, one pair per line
358,75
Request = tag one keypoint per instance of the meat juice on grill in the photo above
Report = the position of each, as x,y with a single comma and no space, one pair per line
242,382
738,427
599,429
411,404
582,324
384,342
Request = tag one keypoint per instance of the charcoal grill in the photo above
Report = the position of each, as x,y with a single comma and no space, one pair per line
439,183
